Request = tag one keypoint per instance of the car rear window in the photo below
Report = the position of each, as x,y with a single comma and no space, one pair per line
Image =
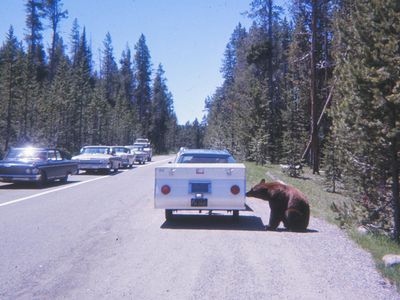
193,159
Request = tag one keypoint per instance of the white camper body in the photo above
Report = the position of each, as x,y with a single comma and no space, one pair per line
194,186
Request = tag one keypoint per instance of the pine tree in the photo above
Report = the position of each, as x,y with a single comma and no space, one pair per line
127,75
81,85
229,63
143,90
265,53
75,37
128,112
332,163
54,13
10,77
35,70
34,37
109,71
365,114
161,111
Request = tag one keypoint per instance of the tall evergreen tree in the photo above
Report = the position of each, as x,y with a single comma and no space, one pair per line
54,13
143,89
10,92
57,107
230,55
128,113
80,93
35,70
109,71
75,37
161,111
365,113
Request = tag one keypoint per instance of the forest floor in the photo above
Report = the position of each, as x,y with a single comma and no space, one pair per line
321,200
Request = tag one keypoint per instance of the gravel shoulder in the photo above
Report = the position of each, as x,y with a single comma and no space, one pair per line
324,263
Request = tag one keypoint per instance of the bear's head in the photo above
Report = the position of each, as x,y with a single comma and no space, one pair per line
260,191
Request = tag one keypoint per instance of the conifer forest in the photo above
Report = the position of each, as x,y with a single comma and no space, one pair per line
317,85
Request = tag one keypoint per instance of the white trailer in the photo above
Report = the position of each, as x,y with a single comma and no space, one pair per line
205,186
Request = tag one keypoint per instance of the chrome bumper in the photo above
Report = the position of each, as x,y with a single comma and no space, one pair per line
22,178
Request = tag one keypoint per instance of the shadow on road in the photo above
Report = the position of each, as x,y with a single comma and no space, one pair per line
101,172
281,229
214,222
34,186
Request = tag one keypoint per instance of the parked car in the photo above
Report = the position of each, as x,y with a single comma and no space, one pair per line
201,179
39,165
140,155
127,157
145,143
195,156
98,158
142,141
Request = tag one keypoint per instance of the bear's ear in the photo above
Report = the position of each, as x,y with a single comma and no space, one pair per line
262,180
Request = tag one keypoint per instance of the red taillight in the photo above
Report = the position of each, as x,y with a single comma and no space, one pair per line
235,189
165,189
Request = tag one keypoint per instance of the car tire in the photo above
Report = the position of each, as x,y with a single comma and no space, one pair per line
235,216
43,179
168,214
65,178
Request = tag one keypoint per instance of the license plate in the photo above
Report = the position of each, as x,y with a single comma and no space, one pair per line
196,202
199,187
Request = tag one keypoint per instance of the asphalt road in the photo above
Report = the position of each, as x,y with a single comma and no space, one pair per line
99,237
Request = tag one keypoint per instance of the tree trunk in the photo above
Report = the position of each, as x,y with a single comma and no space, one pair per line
327,102
9,108
314,127
395,180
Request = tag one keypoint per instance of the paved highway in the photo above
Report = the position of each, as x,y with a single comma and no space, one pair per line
99,237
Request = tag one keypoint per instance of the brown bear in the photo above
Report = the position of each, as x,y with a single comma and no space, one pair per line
287,204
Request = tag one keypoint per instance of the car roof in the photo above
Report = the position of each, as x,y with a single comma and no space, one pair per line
34,148
205,152
101,146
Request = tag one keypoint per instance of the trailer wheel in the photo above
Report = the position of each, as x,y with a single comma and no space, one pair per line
168,214
235,216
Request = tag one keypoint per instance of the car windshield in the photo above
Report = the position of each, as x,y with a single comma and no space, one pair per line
120,150
26,154
205,158
96,150
144,141
141,144
137,148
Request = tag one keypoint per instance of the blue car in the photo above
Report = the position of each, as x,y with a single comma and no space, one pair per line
39,165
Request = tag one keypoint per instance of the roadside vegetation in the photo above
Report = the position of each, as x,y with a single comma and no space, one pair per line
321,200
323,90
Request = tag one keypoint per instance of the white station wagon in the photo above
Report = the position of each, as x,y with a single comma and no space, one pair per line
201,180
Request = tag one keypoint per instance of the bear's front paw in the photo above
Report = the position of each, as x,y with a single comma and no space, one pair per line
270,228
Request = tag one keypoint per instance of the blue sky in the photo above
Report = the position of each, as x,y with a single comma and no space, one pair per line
187,36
